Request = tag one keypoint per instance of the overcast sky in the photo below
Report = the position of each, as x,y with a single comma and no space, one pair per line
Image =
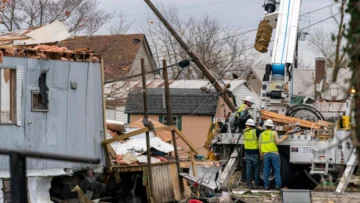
240,14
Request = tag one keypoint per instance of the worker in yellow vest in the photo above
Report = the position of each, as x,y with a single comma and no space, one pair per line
252,156
242,114
270,153
248,102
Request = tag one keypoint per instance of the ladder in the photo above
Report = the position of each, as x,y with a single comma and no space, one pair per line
350,166
317,153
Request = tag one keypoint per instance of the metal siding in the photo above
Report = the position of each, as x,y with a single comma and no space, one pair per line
93,99
57,79
35,133
73,125
77,102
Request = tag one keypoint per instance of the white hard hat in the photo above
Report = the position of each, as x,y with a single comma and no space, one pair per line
249,99
269,123
250,122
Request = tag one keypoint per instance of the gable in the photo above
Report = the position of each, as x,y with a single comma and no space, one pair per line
119,52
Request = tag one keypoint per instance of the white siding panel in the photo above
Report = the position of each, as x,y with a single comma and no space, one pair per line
19,94
110,114
120,115
136,66
117,114
242,92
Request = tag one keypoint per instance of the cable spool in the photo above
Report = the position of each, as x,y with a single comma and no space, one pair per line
263,36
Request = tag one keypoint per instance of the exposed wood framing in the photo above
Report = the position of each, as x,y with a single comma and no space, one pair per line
136,132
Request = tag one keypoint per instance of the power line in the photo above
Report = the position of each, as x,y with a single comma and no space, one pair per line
319,9
320,21
252,30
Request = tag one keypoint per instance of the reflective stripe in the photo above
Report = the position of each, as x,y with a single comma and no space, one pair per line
250,139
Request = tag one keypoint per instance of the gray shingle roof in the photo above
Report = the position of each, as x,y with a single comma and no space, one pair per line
183,102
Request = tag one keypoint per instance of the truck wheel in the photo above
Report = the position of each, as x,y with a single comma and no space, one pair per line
287,171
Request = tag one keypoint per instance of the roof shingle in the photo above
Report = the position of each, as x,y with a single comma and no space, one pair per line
183,102
118,51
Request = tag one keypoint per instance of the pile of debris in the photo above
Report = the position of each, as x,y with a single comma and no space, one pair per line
132,151
42,43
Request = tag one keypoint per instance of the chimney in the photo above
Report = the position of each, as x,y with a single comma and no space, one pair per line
319,69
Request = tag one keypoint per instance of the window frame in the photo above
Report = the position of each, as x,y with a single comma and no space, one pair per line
32,102
13,96
178,121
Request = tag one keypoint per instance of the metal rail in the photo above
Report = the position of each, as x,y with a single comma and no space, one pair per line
18,169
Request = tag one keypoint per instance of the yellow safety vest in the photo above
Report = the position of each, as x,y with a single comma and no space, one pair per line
241,108
267,142
250,139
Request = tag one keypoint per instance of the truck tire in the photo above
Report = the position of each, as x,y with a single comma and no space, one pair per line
302,180
287,172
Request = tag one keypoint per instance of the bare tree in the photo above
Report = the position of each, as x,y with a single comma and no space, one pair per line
332,47
81,16
121,26
220,48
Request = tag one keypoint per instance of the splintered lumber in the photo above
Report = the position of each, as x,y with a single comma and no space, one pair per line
288,120
136,132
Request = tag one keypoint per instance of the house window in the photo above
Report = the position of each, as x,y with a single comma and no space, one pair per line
177,121
37,102
39,98
8,96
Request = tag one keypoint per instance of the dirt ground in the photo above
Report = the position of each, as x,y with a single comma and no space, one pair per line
317,197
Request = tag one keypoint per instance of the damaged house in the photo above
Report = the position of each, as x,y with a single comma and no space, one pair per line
51,102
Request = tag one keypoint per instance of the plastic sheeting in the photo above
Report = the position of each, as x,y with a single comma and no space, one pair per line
40,173
39,189
138,144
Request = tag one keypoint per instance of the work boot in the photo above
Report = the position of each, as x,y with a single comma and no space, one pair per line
278,188
250,187
267,188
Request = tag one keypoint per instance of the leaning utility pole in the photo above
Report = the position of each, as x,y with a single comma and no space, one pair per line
170,119
194,58
150,180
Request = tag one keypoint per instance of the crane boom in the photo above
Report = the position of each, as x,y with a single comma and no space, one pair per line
277,85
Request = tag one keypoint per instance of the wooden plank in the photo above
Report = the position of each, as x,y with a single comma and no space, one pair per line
13,38
111,151
175,181
186,140
287,120
192,162
12,95
136,132
125,136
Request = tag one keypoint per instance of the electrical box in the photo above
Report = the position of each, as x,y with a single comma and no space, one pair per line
296,196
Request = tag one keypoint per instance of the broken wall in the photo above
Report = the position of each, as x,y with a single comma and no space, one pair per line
71,125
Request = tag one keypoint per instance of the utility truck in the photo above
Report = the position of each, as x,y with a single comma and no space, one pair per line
318,149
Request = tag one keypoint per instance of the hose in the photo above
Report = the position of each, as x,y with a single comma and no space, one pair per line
302,107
